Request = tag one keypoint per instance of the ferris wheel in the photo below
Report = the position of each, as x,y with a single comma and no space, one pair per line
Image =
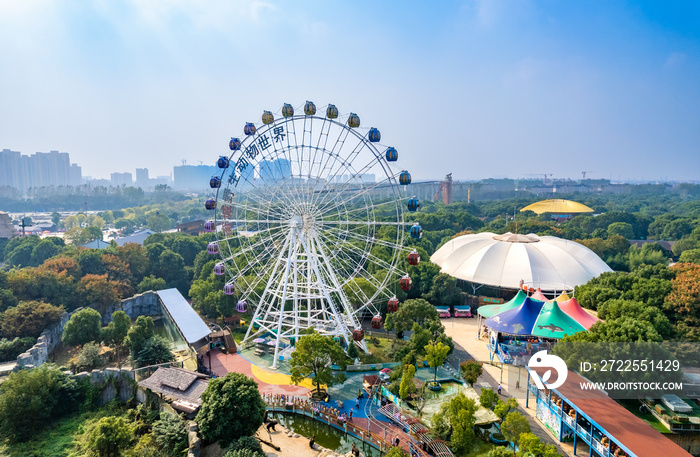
309,218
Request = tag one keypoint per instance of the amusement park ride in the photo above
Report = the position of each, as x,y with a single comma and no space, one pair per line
300,205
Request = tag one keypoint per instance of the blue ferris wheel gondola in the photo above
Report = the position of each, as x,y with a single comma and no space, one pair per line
405,178
416,231
374,136
249,128
215,182
210,204
223,162
234,144
392,155
413,204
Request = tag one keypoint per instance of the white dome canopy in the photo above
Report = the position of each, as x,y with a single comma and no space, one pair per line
547,262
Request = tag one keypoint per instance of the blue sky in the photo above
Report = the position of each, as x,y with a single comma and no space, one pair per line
477,88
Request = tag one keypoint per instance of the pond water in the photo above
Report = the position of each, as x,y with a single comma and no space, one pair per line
326,436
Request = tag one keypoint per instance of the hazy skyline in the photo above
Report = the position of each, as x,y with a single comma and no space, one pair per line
477,88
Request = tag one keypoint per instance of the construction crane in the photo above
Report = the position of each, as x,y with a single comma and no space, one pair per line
583,174
446,190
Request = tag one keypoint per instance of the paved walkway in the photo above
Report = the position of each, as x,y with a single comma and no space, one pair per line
269,382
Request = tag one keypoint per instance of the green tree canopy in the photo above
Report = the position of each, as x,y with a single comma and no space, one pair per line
138,334
30,399
155,350
412,311
513,426
436,354
314,355
84,326
29,319
455,422
231,408
407,385
487,398
109,436
471,370
170,434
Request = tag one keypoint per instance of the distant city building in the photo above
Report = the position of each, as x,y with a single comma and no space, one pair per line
41,169
7,230
193,177
142,177
275,170
76,175
121,179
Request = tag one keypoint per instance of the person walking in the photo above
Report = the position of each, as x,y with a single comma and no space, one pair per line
499,389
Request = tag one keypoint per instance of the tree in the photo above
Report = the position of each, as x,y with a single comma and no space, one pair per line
436,354
30,399
531,444
622,229
231,408
150,283
691,256
109,436
407,387
155,350
158,222
83,327
502,408
135,256
455,421
89,356
29,318
43,251
500,452
353,353
314,355
515,425
170,434
417,311
116,331
444,291
245,446
98,291
138,334
63,265
682,304
471,370
55,217
487,398
396,452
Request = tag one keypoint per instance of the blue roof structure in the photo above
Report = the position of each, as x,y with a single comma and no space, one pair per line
192,327
517,321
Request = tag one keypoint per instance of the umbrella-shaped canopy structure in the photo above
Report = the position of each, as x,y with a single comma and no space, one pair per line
575,311
562,297
535,318
548,262
555,323
492,310
538,295
517,321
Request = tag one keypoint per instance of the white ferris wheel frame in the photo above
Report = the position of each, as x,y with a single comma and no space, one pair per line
306,222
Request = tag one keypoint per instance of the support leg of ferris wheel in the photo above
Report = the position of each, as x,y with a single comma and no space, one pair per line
341,327
259,308
349,312
291,254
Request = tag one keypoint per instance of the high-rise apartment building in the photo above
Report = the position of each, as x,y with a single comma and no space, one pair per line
41,169
121,179
142,177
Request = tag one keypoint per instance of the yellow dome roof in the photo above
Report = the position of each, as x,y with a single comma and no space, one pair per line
558,206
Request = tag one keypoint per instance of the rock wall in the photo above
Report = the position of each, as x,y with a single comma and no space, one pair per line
113,382
145,304
39,353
